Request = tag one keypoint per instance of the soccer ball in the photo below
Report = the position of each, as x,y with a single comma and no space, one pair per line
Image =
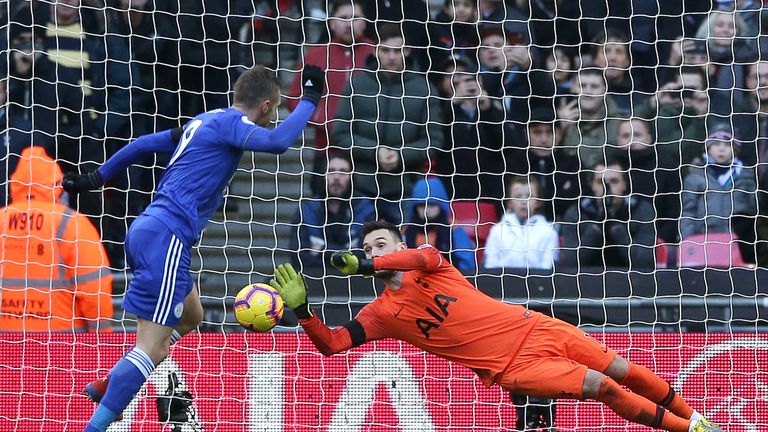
258,307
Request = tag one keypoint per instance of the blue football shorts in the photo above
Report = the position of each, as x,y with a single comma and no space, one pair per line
161,278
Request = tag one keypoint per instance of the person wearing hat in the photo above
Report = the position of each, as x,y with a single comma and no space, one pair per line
429,222
54,271
719,193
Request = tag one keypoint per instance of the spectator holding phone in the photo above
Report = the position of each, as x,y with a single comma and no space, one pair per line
678,113
587,122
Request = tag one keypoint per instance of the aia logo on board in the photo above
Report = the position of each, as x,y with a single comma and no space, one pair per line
728,383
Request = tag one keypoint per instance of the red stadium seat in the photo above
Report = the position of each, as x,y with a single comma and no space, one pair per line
662,254
476,218
719,250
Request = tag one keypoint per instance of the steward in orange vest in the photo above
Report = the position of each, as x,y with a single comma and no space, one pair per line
54,272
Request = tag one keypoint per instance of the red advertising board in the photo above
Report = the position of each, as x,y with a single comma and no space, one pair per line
279,382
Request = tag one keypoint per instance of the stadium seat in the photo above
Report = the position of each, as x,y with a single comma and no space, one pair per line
720,250
476,218
662,254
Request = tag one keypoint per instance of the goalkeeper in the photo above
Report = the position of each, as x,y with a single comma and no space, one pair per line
205,156
429,304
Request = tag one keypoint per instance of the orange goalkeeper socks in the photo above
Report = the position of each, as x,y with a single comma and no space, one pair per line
642,381
638,409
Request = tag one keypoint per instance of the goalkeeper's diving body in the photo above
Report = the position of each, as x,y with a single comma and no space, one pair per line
428,303
205,154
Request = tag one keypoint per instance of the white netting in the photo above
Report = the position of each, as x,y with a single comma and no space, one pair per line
621,118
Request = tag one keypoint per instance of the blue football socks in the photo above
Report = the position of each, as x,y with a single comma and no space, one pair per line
126,378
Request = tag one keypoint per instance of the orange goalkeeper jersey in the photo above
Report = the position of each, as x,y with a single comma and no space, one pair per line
438,310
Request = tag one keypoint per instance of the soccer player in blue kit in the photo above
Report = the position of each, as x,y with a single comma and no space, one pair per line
205,155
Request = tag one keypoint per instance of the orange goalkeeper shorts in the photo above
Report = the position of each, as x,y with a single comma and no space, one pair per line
554,361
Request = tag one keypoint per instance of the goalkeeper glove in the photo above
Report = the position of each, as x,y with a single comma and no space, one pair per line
291,287
313,82
350,264
76,183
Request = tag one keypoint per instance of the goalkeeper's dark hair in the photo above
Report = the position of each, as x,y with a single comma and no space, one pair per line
371,226
256,85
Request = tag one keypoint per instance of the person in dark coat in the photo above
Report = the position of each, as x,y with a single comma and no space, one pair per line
635,148
473,161
332,222
453,32
391,123
555,170
608,227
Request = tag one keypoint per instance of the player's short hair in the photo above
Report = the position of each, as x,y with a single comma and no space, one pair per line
372,226
256,85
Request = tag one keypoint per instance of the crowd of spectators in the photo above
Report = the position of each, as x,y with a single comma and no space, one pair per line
598,140
596,130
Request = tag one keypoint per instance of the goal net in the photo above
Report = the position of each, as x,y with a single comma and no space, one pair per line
601,162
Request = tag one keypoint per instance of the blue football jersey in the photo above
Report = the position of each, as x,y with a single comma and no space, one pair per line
205,160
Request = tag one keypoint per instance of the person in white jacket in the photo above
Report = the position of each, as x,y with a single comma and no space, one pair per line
523,238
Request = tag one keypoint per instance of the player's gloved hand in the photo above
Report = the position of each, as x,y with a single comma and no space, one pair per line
291,287
313,83
351,264
76,183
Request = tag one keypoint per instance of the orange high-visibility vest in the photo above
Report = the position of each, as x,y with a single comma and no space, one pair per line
54,272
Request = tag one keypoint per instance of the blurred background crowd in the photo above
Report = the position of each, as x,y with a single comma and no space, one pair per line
535,134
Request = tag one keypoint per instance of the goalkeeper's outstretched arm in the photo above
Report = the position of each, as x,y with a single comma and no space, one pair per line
290,285
332,341
425,258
